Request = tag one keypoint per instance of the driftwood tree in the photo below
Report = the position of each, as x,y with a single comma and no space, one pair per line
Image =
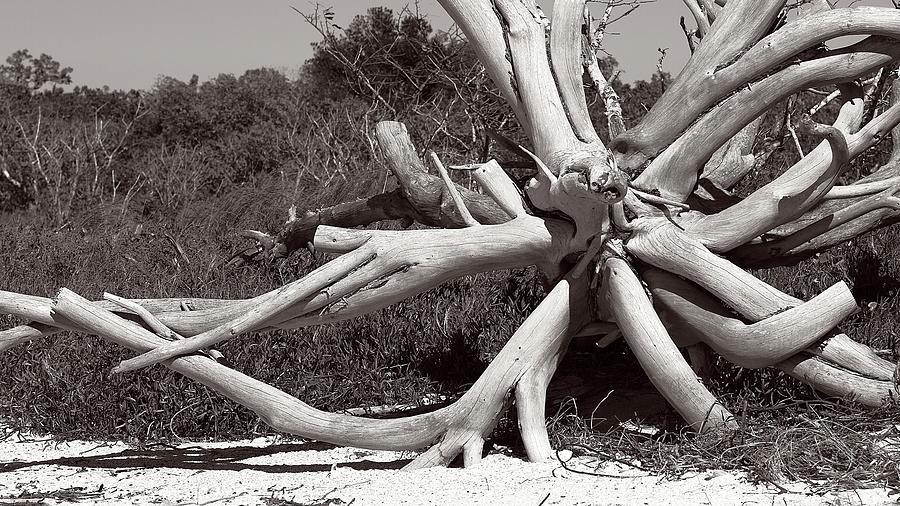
618,229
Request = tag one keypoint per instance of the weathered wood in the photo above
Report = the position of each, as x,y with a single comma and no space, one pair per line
675,171
485,33
709,105
497,184
699,17
455,197
787,197
657,354
781,245
839,382
22,334
734,159
566,44
531,398
697,88
535,84
662,245
378,268
421,197
730,57
426,193
693,315
540,337
297,233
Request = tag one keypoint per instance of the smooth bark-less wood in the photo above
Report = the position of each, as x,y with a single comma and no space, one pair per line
760,344
473,416
651,344
784,199
818,229
674,172
697,87
597,238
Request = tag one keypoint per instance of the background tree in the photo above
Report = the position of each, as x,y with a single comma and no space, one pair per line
22,69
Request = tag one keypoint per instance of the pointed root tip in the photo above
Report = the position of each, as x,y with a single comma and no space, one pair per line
266,241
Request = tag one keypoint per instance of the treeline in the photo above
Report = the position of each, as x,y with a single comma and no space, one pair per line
63,152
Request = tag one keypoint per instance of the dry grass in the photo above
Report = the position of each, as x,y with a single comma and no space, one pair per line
436,343
830,445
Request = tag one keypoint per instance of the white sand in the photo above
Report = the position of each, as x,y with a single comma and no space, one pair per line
274,471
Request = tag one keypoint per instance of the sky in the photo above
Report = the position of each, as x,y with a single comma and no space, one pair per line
127,44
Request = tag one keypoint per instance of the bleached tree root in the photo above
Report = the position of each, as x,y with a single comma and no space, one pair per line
836,366
759,344
531,398
381,268
421,197
793,193
22,334
854,357
847,212
657,354
662,245
674,172
460,427
743,66
839,382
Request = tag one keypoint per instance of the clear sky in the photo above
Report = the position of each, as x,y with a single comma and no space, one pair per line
128,43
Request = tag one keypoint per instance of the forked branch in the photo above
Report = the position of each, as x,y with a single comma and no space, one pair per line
463,425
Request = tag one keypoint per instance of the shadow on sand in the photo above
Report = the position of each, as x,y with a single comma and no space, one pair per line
207,459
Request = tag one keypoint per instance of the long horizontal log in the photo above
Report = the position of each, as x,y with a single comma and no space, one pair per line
296,234
380,268
409,262
37,310
265,308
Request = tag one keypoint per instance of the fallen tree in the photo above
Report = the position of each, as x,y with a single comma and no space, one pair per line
615,228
